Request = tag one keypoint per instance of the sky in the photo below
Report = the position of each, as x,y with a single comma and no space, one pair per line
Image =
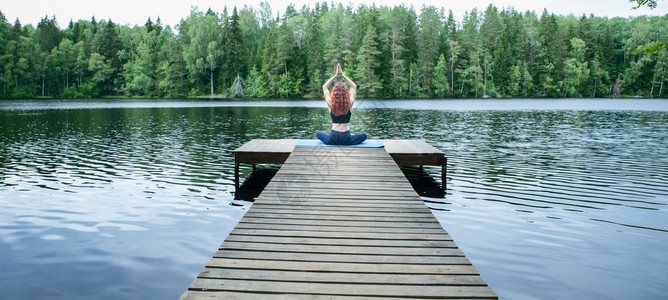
131,12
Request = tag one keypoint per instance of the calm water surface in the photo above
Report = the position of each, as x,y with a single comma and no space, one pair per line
122,199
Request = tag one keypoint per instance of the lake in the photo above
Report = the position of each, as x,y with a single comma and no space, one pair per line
128,199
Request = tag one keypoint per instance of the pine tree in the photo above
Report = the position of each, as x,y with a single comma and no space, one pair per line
285,45
394,41
170,72
49,34
502,65
428,42
550,63
269,68
109,46
314,57
333,38
491,28
234,51
251,38
365,76
410,40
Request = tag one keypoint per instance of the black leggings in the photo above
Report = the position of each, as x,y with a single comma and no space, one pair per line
340,138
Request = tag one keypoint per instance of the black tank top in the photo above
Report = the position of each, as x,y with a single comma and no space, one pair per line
342,118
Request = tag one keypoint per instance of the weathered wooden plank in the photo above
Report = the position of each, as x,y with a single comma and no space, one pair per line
267,145
379,199
341,170
246,146
400,179
351,193
333,206
353,235
334,277
287,240
417,291
369,268
327,249
208,295
339,229
340,162
409,146
367,213
336,187
430,219
338,178
349,258
342,179
340,213
305,173
379,204
337,204
349,249
341,223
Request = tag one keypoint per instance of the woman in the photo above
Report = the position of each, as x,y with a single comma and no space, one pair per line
340,102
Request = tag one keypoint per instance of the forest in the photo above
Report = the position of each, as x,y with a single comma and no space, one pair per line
390,52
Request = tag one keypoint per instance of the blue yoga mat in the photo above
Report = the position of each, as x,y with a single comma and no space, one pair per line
318,143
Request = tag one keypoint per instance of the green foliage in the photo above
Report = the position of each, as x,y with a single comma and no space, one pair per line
49,34
428,40
110,44
367,57
652,47
237,88
314,58
441,86
576,70
650,3
233,54
550,61
252,84
100,68
203,54
390,52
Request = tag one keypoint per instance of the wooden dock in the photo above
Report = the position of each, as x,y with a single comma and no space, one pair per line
338,223
404,153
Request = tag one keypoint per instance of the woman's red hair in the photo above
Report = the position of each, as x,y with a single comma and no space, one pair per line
340,99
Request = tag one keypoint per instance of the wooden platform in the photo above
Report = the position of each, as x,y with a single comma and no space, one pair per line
338,223
404,153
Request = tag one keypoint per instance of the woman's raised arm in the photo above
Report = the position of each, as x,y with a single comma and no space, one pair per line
325,90
353,88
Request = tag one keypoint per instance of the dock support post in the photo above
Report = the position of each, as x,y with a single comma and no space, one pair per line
236,173
253,168
444,170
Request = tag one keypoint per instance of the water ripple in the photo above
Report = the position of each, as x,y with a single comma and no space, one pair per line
551,202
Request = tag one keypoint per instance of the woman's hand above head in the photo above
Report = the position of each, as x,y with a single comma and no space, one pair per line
325,90
339,71
352,87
